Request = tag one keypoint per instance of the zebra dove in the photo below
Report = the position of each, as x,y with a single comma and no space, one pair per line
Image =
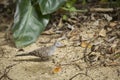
44,53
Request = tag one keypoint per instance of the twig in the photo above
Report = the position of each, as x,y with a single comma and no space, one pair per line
6,71
102,9
2,52
81,74
96,10
118,72
85,50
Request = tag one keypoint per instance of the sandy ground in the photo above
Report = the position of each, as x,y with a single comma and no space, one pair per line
73,67
31,68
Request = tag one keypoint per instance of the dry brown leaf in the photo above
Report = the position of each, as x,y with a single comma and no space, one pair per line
56,69
113,64
74,32
84,44
92,16
112,24
49,32
44,39
108,17
70,26
75,38
60,24
96,23
73,21
102,33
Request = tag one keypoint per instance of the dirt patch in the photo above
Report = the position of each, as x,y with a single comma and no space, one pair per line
90,51
31,68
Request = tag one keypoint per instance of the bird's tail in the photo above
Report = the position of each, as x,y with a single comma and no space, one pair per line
24,54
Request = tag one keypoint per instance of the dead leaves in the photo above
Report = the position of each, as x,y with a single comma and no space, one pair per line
102,33
56,69
81,31
113,24
85,44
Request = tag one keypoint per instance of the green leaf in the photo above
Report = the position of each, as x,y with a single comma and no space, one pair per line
84,2
49,6
72,9
70,3
64,17
118,3
28,23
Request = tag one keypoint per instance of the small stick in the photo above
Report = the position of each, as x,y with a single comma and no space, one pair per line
6,71
81,74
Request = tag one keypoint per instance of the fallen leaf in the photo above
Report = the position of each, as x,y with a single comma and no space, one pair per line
102,33
44,39
96,23
70,26
73,32
73,21
112,24
60,24
57,69
48,32
84,44
109,18
75,38
92,16
112,64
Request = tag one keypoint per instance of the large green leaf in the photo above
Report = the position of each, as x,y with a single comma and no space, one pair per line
28,23
49,6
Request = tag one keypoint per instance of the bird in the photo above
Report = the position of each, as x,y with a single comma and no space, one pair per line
44,52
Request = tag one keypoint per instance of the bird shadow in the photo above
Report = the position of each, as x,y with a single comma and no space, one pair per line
31,60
